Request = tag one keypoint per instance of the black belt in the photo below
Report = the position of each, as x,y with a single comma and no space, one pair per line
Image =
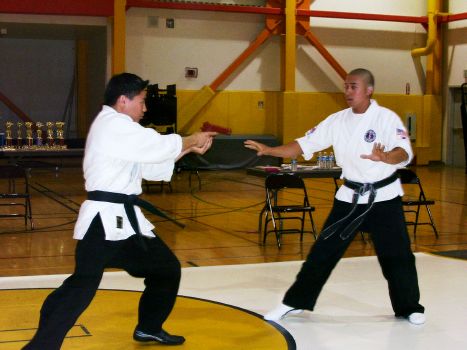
360,189
129,201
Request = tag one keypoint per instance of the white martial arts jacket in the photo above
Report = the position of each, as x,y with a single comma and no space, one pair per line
352,135
119,154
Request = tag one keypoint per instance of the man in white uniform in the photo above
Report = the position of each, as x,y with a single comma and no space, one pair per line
111,229
370,143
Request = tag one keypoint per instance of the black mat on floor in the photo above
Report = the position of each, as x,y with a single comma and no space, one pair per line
459,254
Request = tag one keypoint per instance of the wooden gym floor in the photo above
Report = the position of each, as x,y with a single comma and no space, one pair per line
221,220
229,280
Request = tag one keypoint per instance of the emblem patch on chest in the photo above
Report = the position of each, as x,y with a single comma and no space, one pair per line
370,136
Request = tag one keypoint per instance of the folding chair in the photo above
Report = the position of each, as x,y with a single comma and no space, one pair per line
277,206
147,184
419,200
12,197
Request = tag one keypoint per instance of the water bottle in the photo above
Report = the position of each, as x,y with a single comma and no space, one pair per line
320,160
332,161
324,161
293,165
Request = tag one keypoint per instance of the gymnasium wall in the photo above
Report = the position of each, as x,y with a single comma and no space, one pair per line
247,102
210,41
250,101
239,111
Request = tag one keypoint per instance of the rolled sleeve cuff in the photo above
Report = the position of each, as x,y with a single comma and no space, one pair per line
307,155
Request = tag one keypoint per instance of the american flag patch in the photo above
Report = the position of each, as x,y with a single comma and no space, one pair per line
401,134
311,131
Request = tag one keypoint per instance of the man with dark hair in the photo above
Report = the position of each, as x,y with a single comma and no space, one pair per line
111,229
370,143
123,84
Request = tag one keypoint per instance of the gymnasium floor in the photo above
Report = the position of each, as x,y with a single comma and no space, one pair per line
223,262
353,311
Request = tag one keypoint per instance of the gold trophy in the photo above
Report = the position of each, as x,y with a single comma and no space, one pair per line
29,139
60,137
19,136
50,134
39,141
8,136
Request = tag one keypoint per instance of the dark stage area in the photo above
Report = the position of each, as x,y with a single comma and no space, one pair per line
228,152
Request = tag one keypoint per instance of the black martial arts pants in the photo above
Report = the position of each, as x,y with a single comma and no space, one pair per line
386,223
157,264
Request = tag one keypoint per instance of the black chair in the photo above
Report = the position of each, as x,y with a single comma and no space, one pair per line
416,198
277,206
16,176
189,163
147,184
161,109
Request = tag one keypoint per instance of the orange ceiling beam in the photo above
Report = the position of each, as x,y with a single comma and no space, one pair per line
325,53
261,38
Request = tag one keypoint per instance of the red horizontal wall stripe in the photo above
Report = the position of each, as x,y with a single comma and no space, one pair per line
362,16
176,5
58,7
105,8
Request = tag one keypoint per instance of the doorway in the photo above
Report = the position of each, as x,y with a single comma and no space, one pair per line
455,134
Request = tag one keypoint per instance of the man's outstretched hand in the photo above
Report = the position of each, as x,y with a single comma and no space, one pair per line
203,148
256,146
377,153
198,142
394,156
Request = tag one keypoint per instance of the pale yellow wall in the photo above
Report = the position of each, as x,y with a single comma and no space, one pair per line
304,110
237,110
212,41
428,110
289,115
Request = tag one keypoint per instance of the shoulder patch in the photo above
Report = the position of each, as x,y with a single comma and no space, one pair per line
402,134
311,131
